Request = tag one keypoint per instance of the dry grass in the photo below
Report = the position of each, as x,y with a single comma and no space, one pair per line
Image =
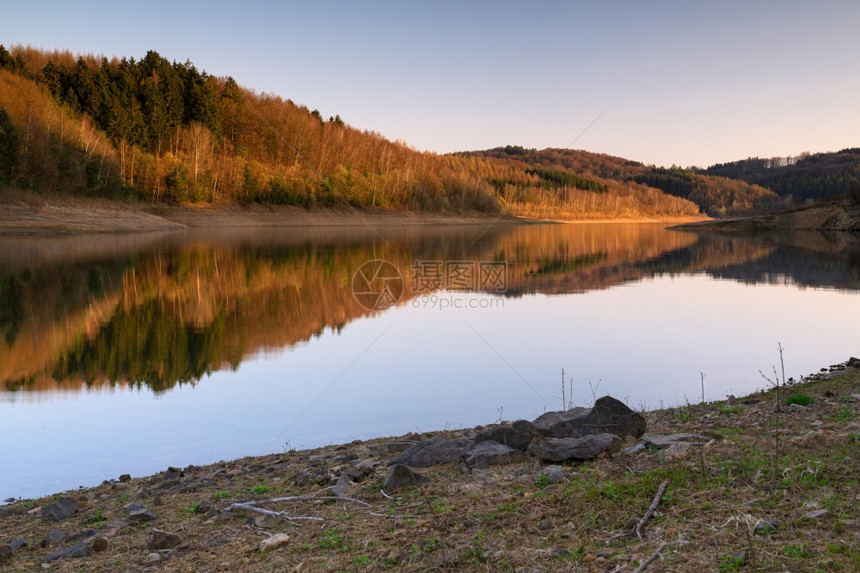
510,518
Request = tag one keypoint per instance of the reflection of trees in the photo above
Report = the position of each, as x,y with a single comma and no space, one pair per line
171,313
145,344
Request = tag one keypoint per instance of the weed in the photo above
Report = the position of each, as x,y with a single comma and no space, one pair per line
730,409
797,551
731,563
332,540
542,481
221,495
97,518
259,489
799,399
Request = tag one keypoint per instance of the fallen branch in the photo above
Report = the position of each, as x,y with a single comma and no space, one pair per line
651,509
659,553
249,507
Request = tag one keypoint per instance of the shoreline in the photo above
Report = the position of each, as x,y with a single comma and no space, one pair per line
728,500
33,215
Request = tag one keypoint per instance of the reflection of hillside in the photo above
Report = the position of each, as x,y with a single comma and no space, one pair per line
166,310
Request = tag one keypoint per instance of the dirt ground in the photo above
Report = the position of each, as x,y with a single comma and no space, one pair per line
772,489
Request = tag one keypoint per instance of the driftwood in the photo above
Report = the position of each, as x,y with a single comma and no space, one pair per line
651,509
659,553
253,505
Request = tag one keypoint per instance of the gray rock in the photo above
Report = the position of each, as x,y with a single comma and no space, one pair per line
435,451
267,521
633,450
397,446
18,509
142,515
60,510
766,527
490,453
664,441
818,514
607,416
400,476
125,478
9,500
18,544
53,536
585,448
343,483
517,435
553,473
162,540
678,450
74,552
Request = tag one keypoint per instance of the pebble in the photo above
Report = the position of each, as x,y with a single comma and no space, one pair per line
818,514
274,542
766,527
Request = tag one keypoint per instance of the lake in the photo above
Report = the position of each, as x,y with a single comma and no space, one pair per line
132,353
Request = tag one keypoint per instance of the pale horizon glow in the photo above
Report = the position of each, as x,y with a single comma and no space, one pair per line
665,82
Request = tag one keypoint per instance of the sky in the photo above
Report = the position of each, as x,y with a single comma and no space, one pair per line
662,82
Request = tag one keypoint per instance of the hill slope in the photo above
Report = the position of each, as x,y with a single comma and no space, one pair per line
162,131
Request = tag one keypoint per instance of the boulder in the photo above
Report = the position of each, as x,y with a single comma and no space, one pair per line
74,552
607,416
491,453
584,448
62,509
400,476
435,451
162,540
517,435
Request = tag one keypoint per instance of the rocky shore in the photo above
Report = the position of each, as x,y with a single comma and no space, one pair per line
765,482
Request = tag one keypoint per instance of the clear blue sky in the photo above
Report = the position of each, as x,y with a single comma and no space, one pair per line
668,82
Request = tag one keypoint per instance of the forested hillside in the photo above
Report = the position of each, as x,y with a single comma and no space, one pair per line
717,196
806,176
156,130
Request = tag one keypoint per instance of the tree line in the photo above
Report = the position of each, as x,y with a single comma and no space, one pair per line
156,130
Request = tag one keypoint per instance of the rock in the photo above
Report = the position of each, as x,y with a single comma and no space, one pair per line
9,500
400,476
274,542
343,483
53,536
100,544
851,428
437,450
60,510
142,514
678,450
5,553
74,552
552,473
397,446
363,468
739,557
517,435
13,510
664,441
633,450
766,527
125,478
18,544
267,521
585,448
491,453
818,514
162,540
607,416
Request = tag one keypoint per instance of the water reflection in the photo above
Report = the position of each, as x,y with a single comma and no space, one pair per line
157,311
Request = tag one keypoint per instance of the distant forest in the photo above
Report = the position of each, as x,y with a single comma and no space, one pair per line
155,130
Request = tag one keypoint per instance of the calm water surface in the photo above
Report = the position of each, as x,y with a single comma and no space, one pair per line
128,354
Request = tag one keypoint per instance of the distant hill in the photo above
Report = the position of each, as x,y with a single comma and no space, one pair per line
808,176
717,196
162,131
